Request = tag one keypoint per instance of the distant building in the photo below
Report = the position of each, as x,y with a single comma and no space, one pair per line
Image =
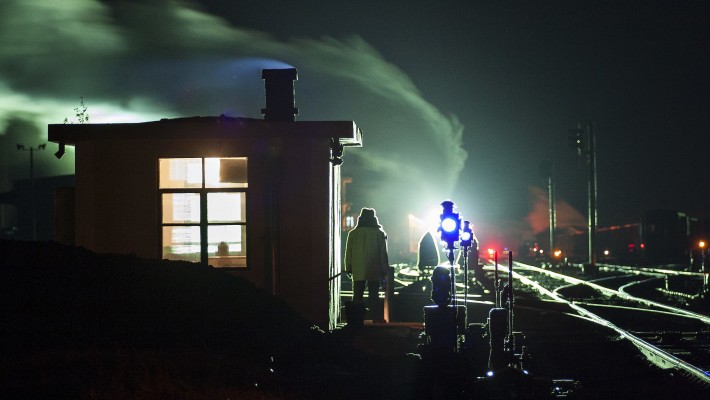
260,198
27,212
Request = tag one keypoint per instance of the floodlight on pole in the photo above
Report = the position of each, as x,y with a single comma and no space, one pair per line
32,183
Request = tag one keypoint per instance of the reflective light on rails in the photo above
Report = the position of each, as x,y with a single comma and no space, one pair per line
611,292
658,355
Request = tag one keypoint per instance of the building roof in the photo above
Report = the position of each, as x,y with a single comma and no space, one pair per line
222,127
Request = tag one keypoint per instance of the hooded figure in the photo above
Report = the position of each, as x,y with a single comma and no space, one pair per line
428,252
366,255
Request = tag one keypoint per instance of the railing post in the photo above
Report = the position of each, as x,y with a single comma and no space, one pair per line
389,289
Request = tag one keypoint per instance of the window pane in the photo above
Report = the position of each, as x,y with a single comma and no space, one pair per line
226,172
226,207
181,208
181,243
226,246
180,173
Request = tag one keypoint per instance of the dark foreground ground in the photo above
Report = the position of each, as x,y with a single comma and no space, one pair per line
80,325
86,326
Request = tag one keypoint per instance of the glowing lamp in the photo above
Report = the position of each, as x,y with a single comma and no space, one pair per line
466,234
701,244
450,224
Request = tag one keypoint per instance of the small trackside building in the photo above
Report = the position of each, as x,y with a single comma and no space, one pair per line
259,198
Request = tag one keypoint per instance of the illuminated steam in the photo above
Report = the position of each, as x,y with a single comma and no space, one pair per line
144,61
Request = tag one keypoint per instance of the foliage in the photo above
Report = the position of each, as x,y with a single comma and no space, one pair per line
81,115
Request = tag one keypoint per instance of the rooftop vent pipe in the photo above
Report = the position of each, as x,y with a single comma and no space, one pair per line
280,100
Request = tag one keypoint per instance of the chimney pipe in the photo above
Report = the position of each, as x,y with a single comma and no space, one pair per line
280,100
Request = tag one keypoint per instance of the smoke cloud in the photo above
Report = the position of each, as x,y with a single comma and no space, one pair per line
567,219
141,61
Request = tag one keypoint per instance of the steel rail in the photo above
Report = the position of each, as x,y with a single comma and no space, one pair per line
611,292
662,271
657,356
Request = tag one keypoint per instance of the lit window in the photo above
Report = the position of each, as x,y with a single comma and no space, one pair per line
203,210
181,207
225,172
225,207
180,173
181,243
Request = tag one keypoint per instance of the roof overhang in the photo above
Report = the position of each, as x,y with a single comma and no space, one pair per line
346,132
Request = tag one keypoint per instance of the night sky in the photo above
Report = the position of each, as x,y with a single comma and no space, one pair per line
456,99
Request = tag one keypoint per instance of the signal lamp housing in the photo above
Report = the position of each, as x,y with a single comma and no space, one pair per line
450,225
466,235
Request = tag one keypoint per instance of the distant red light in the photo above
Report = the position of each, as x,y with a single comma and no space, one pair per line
643,246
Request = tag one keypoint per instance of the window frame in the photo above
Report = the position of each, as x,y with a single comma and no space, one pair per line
202,191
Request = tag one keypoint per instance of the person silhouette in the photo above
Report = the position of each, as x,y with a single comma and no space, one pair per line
366,257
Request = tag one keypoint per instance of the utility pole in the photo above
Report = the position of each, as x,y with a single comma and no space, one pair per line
592,191
32,184
551,211
584,141
547,170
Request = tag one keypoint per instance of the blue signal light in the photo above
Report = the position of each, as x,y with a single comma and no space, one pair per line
466,235
448,224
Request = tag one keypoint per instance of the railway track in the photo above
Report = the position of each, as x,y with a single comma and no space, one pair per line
669,337
672,286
